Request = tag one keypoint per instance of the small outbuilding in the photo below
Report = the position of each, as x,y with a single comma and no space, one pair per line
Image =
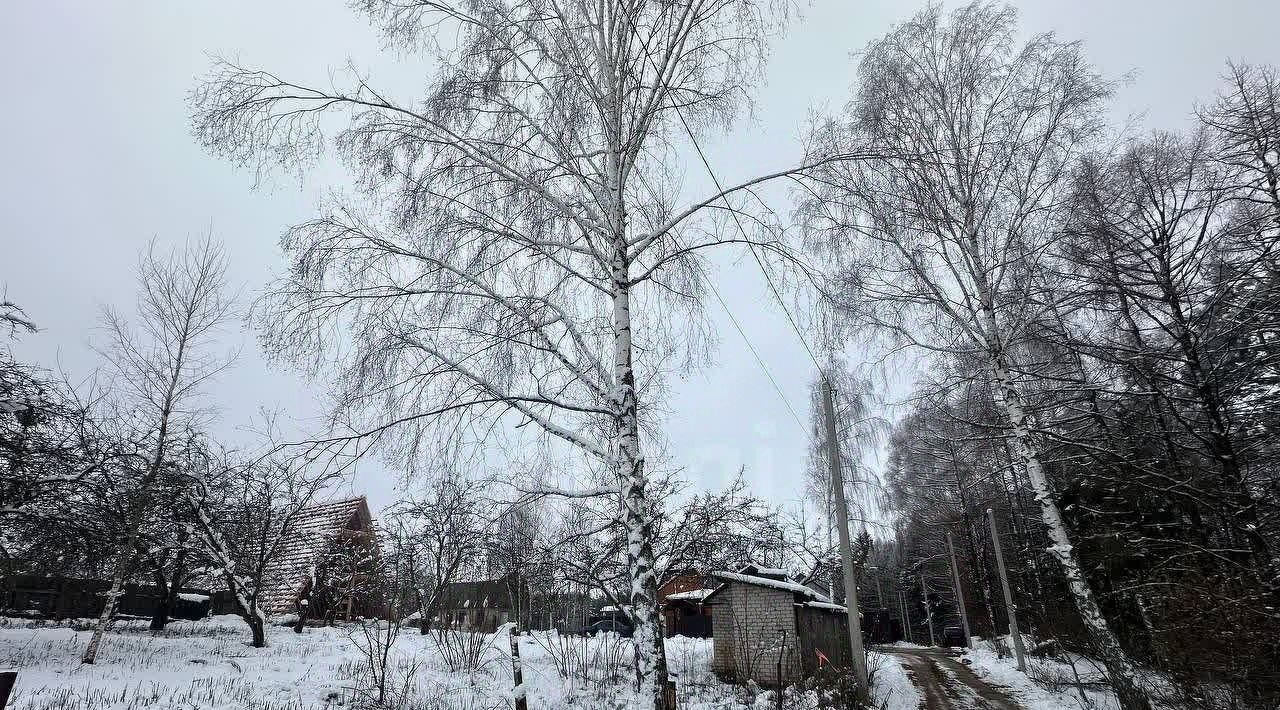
771,629
481,605
328,564
680,601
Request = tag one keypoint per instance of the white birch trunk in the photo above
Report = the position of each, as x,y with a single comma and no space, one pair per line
1124,675
651,667
137,509
104,619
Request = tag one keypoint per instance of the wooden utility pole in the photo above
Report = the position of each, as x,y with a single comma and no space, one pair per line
859,657
1018,650
928,611
906,617
955,574
831,573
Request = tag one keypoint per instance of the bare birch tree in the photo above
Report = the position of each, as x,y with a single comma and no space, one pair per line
525,241
14,319
161,363
947,248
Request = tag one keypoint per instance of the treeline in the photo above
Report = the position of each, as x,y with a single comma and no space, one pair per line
118,478
1104,314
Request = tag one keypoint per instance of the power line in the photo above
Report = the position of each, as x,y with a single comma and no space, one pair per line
747,240
760,361
738,326
768,279
732,212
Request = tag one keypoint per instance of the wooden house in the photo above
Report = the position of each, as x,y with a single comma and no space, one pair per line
680,603
481,605
329,565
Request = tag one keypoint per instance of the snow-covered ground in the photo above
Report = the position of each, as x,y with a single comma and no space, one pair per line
1073,683
893,689
208,665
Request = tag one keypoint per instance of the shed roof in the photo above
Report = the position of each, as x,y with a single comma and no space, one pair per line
750,575
695,595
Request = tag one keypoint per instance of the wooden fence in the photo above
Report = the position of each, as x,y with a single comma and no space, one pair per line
70,598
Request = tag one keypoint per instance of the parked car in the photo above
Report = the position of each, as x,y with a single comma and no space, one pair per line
953,636
605,626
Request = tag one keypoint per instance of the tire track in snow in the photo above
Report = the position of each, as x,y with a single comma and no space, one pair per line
946,684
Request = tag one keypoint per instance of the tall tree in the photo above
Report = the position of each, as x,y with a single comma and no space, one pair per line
161,363
1158,244
1245,124
948,234
526,239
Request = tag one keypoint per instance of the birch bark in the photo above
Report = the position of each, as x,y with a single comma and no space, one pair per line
1125,677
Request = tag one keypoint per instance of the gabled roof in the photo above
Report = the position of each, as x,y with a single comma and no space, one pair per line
751,574
309,536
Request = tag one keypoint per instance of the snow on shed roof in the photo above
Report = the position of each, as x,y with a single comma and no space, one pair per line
756,580
690,595
762,571
826,605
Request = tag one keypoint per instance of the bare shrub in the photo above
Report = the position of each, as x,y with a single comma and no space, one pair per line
465,651
383,680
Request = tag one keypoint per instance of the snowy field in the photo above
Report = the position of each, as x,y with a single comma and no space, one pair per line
208,665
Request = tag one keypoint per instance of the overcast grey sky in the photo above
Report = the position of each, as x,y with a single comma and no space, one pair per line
96,158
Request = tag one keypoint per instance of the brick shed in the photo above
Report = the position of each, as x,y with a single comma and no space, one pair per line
761,617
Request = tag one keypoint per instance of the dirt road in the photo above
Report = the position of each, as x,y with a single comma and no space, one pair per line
947,684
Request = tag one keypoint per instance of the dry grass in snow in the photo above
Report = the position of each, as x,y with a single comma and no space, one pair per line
208,665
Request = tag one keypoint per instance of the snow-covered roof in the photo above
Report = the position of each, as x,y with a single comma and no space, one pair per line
782,584
764,571
825,605
696,595
308,537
